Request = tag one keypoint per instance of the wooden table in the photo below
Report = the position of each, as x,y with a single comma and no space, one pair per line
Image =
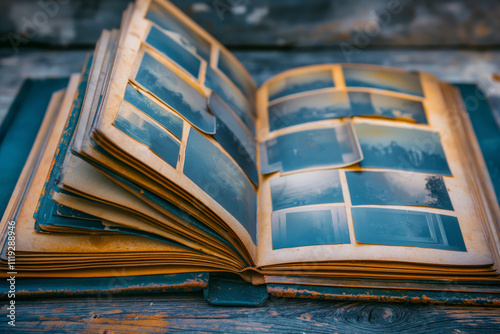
189,311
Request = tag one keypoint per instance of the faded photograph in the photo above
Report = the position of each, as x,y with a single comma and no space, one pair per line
309,108
309,227
175,92
166,20
217,175
160,114
234,138
302,82
402,82
370,104
330,105
407,228
141,128
231,97
398,188
170,44
234,72
308,188
401,148
310,149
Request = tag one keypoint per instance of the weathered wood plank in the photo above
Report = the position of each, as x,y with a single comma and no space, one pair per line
189,312
270,23
40,64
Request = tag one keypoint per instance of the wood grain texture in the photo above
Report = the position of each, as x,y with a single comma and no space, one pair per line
270,23
189,312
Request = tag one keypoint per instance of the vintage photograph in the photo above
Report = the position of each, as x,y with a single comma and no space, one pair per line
398,188
191,39
401,148
407,228
143,129
159,113
386,106
386,79
175,92
310,149
234,138
322,105
312,107
229,94
307,188
222,180
237,74
170,44
310,227
301,82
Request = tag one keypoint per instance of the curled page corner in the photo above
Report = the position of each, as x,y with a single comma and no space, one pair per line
333,146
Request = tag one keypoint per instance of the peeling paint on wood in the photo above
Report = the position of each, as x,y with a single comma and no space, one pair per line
382,295
189,312
110,286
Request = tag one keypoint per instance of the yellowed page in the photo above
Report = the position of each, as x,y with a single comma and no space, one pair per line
465,203
130,57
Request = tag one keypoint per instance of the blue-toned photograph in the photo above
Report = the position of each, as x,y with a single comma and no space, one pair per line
231,97
309,227
386,106
401,148
176,93
386,79
407,228
398,188
234,138
308,188
302,82
330,105
309,108
398,108
162,115
143,129
310,149
170,44
166,20
217,175
235,73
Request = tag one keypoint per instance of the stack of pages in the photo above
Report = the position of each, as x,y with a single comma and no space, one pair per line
162,157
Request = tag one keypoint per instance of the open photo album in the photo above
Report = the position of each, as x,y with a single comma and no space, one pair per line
162,157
